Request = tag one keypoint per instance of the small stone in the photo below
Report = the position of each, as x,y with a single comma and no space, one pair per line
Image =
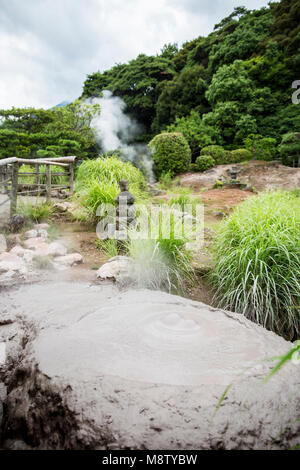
31,234
114,268
69,260
42,248
20,251
218,214
42,233
33,243
16,223
62,207
12,264
56,249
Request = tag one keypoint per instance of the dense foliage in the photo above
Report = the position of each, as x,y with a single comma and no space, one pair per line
290,147
219,89
170,153
97,182
257,269
204,162
220,156
239,155
31,133
262,148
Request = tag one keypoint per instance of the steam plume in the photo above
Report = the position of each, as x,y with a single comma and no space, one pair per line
115,131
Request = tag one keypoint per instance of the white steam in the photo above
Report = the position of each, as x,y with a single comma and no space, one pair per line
115,131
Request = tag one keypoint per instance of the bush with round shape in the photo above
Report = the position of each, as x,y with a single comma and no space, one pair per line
217,152
257,270
240,155
205,162
170,153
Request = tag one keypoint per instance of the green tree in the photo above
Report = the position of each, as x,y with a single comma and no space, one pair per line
197,134
290,148
136,83
262,148
178,96
60,131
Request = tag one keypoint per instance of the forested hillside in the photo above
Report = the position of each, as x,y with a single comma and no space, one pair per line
221,88
232,88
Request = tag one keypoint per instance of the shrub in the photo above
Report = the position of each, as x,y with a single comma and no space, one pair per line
35,211
109,247
193,167
97,182
262,148
205,162
195,132
290,148
171,153
110,170
217,152
240,155
257,270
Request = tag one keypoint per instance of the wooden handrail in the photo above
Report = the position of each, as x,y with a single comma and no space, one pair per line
40,161
59,161
7,161
70,159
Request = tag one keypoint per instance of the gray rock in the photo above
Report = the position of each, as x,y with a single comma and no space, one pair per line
11,264
42,233
34,233
62,207
69,260
146,370
33,243
3,244
114,268
42,248
16,223
31,234
56,249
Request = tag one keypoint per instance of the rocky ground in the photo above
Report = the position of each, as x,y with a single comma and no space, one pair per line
32,253
257,174
93,367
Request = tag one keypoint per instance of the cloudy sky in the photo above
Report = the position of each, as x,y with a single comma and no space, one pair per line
47,47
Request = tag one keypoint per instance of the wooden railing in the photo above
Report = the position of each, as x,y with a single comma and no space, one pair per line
10,175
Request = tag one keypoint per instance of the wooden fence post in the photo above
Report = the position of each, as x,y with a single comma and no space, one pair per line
48,182
14,189
37,178
72,178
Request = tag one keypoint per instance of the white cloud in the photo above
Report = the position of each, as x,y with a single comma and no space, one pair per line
49,46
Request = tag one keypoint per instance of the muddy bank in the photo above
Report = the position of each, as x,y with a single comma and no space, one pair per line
93,367
258,174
